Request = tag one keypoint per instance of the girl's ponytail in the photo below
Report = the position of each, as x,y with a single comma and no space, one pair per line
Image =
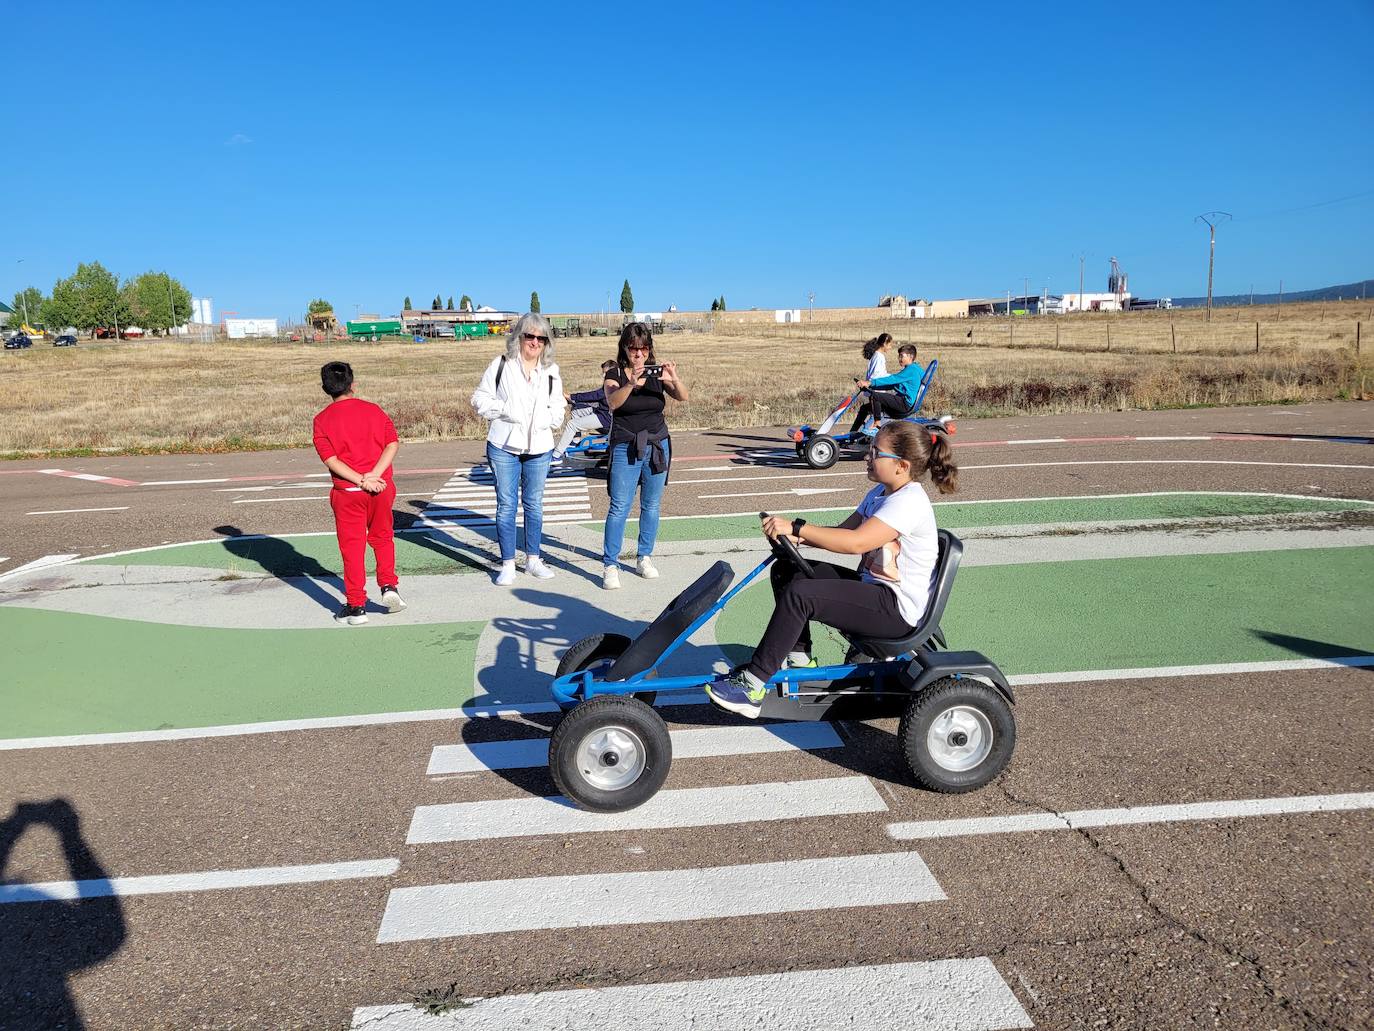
943,472
870,348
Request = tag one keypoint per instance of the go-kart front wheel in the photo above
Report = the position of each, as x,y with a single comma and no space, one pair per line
820,451
598,653
957,735
610,754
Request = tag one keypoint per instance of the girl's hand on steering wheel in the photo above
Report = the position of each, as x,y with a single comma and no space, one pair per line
777,526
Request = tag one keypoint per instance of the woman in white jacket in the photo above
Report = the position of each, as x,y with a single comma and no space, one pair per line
521,394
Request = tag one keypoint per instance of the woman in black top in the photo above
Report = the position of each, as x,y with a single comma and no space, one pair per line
640,447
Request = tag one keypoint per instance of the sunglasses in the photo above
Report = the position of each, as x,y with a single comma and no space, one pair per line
636,347
536,336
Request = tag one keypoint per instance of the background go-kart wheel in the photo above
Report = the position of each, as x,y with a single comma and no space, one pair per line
957,735
820,452
597,653
611,753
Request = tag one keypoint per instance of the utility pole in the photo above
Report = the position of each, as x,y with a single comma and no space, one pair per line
1025,290
811,301
1080,282
1280,293
1210,220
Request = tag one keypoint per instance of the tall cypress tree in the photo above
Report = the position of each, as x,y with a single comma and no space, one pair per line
627,299
406,305
534,301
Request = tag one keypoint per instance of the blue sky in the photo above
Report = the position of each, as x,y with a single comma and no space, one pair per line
270,153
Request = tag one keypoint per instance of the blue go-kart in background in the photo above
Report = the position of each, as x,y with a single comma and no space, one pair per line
820,448
611,751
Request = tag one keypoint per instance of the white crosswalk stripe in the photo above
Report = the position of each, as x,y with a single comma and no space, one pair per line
656,896
687,744
469,499
944,995
679,807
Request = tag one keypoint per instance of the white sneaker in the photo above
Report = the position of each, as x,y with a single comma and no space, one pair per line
610,578
535,567
507,575
645,567
391,598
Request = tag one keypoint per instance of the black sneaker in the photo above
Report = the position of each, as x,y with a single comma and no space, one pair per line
351,615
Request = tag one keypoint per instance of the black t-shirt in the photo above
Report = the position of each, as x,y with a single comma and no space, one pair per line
642,410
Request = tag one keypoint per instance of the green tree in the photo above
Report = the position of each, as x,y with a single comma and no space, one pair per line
450,302
406,306
722,302
28,306
319,304
715,304
88,298
438,303
156,300
534,301
627,299
465,304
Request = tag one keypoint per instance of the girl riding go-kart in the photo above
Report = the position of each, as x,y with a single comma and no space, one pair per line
893,529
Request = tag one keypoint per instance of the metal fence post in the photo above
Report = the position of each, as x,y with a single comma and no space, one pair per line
1257,336
1173,340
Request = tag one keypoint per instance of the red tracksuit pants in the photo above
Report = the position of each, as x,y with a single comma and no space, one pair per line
362,519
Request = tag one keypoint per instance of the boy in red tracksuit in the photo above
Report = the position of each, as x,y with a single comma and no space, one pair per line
357,443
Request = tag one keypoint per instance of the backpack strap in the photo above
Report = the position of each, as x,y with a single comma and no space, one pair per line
500,370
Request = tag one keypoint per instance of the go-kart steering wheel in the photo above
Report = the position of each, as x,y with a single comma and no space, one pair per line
783,548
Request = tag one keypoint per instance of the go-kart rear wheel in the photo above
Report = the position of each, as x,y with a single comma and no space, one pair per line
598,653
610,754
820,451
957,735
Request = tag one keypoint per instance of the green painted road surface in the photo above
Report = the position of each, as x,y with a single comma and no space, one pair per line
1053,617
75,674
69,673
956,515
314,555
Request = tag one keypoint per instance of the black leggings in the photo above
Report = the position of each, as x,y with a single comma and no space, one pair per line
888,401
835,596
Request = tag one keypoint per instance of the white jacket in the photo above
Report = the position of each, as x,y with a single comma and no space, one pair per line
523,413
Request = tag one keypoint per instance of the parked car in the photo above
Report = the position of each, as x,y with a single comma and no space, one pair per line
64,340
132,332
17,341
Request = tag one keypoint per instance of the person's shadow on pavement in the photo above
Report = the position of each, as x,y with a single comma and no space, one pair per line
279,558
45,938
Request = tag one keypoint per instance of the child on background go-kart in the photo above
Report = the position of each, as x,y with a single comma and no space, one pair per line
875,353
893,529
590,413
894,396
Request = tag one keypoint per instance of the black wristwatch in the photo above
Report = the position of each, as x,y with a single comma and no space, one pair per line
797,524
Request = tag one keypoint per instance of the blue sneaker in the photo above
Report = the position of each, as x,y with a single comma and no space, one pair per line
737,693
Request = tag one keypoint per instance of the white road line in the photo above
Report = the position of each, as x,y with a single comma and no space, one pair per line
922,829
680,807
270,501
489,508
180,483
687,744
259,490
1039,440
656,896
70,511
940,995
683,698
577,517
38,563
208,880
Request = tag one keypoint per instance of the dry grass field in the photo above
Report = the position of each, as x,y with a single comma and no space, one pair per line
179,396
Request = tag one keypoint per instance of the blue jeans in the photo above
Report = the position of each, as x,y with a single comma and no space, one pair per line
625,476
517,476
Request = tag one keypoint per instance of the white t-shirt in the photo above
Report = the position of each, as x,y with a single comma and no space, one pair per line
907,565
877,367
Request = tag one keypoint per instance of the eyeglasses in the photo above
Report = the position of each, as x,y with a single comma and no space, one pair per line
636,347
536,336
873,452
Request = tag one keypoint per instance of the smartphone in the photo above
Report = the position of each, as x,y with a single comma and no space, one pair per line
653,370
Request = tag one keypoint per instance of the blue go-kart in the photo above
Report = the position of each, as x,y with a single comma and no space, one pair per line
611,751
588,451
820,448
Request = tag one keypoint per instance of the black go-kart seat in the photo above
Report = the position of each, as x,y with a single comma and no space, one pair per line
681,612
946,565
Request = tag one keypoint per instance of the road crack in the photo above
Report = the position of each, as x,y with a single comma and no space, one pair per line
1168,919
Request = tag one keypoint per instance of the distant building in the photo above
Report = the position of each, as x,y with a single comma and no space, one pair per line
5,312
239,329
